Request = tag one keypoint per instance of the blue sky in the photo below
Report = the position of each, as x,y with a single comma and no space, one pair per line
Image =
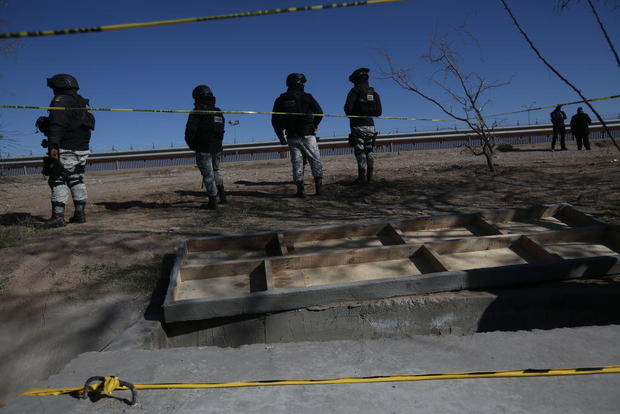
245,61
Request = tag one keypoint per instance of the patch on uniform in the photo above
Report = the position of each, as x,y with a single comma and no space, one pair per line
289,104
57,99
370,97
218,119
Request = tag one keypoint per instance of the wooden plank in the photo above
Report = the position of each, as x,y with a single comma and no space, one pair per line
270,301
248,241
175,276
349,273
391,235
537,250
342,257
574,217
474,244
332,232
433,258
328,245
258,277
435,222
231,268
269,275
276,246
486,227
578,234
579,249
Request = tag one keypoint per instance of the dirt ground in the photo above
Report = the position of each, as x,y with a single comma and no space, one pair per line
71,290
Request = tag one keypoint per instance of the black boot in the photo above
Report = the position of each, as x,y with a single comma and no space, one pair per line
58,216
79,216
222,194
318,186
361,177
211,205
369,176
300,190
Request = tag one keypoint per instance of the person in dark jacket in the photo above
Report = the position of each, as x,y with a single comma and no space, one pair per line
580,125
299,131
204,133
68,141
362,100
557,119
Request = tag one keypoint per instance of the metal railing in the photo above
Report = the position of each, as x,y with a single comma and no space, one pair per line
411,141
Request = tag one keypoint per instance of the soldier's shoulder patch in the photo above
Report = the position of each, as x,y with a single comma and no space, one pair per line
62,100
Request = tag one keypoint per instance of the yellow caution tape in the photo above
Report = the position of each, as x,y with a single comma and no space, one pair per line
554,105
192,19
612,369
194,111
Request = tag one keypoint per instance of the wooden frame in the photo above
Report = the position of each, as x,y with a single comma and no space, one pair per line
319,265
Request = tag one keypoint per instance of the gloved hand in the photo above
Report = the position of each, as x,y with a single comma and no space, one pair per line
53,153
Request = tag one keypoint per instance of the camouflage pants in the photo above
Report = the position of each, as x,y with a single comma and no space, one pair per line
362,140
305,148
72,179
209,165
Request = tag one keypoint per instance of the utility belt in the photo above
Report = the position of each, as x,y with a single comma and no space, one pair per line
53,168
300,131
354,135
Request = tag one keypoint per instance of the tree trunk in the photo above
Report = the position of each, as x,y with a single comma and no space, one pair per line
489,157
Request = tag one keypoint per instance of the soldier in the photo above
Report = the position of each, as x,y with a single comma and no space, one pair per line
557,119
580,125
299,131
204,134
68,139
362,100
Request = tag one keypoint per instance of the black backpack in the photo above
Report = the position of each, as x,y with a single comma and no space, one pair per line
295,103
204,127
366,103
82,119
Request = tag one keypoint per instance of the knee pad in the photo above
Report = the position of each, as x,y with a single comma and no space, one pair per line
55,182
75,180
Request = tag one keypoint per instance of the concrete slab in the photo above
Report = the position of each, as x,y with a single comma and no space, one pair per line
574,347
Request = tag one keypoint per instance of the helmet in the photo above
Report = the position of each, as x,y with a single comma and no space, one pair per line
201,91
295,79
62,81
358,75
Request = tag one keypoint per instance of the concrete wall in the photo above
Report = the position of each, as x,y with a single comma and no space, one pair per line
552,305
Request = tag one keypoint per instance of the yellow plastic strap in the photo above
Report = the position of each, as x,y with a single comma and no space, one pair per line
190,111
192,19
611,369
604,98
110,384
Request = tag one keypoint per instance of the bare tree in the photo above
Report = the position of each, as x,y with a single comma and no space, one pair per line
564,4
557,73
465,91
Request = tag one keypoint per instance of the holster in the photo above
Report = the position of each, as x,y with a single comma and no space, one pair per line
52,167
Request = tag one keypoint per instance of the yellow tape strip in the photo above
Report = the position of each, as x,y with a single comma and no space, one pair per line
191,19
190,111
554,105
611,369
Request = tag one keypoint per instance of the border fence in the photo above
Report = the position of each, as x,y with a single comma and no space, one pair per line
412,141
